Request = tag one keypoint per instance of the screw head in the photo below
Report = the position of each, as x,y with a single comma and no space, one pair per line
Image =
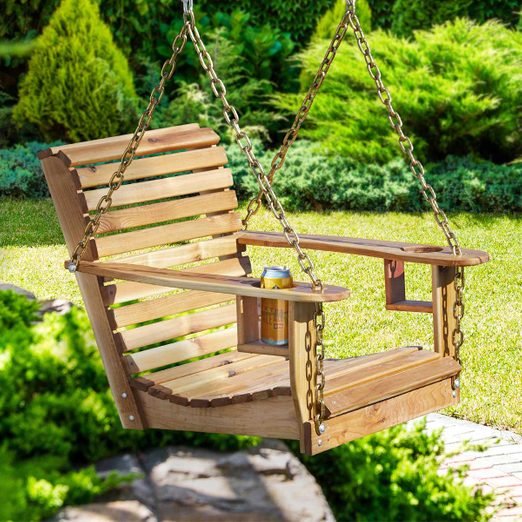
131,417
322,428
72,267
319,442
454,394
124,395
457,382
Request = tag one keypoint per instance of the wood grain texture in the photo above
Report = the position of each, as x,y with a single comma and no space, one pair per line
246,286
177,327
443,296
154,142
204,159
167,234
166,187
261,348
167,211
369,247
379,416
180,351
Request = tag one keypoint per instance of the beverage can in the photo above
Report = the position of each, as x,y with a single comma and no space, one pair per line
274,312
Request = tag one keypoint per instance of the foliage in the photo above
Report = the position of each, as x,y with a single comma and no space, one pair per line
20,171
312,181
248,59
382,13
328,23
394,476
78,85
457,88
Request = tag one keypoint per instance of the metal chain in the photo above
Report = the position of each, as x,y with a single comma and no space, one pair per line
117,178
302,113
232,119
417,169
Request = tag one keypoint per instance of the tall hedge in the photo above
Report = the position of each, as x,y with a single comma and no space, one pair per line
79,85
457,87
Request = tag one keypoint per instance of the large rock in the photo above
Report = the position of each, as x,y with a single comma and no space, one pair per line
119,511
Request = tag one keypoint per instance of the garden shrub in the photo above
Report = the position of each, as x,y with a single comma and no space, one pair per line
79,85
312,181
20,171
457,88
330,20
382,13
56,414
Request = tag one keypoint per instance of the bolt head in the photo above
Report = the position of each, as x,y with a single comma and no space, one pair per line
322,428
131,417
124,395
454,394
457,383
319,442
72,267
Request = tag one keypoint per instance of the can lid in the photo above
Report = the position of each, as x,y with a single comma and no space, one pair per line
276,271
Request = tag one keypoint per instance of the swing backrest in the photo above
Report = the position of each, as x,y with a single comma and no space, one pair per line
176,208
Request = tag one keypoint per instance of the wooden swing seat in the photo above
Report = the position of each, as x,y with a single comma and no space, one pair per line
167,287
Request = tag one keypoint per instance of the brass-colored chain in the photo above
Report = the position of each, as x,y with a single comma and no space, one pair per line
117,178
302,113
232,119
417,169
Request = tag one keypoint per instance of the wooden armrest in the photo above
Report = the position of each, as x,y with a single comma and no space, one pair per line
245,286
394,250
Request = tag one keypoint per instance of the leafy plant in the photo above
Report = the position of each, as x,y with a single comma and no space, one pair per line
78,85
457,88
328,23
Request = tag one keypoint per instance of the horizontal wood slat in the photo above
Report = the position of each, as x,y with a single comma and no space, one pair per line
178,327
245,286
189,253
167,211
165,306
129,290
182,185
168,234
203,159
181,350
155,141
389,386
427,254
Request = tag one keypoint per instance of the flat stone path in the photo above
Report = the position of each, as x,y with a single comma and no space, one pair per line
497,469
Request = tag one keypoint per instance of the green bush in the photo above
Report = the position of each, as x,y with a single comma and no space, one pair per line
457,88
312,181
21,173
394,476
382,13
78,85
328,23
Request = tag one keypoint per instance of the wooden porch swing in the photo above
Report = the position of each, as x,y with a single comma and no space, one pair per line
159,254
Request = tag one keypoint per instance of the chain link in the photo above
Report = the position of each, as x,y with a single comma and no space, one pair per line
116,181
290,137
417,170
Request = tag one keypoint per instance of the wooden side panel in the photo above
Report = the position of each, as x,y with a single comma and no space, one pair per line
380,416
443,293
68,207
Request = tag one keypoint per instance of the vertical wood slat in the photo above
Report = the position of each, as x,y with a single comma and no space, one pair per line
443,292
68,207
301,348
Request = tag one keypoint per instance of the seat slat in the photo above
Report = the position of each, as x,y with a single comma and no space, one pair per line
156,141
390,386
203,159
165,306
181,351
178,327
181,185
167,211
129,290
190,253
165,234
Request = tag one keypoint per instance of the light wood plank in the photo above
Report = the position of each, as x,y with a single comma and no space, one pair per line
165,306
203,159
180,351
261,348
128,290
390,386
190,253
225,284
395,250
167,211
155,141
423,307
178,327
168,187
377,417
443,296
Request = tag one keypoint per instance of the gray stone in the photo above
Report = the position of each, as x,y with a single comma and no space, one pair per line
119,511
57,306
18,290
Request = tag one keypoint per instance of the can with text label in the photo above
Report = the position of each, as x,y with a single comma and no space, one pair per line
274,312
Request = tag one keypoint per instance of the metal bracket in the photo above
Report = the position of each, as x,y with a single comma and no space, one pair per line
188,6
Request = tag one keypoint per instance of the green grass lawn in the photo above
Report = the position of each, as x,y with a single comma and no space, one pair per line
33,254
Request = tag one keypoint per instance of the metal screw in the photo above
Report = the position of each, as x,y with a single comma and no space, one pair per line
131,417
457,382
319,442
322,428
72,267
454,393
124,395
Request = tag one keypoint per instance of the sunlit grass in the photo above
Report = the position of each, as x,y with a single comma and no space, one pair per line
33,254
